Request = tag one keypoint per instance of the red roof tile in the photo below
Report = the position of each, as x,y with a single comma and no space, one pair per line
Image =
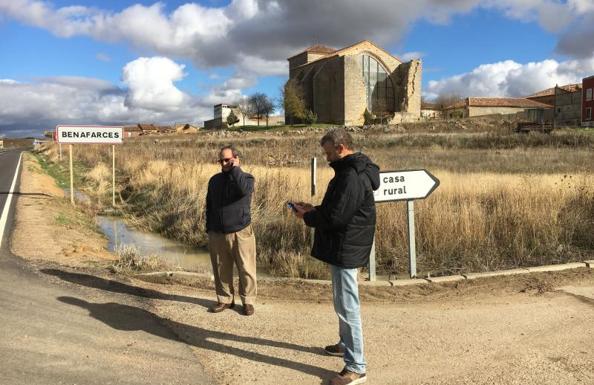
551,91
505,102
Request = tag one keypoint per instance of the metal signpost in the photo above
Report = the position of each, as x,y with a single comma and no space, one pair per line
406,186
314,175
70,135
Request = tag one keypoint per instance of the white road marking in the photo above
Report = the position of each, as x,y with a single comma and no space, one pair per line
4,216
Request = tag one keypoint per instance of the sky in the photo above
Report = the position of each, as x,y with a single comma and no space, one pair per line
124,62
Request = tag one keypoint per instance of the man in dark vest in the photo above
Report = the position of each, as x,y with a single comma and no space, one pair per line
230,234
344,228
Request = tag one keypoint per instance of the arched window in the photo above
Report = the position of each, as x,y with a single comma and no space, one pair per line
378,86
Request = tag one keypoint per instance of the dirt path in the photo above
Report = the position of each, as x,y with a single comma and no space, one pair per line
501,331
529,329
48,228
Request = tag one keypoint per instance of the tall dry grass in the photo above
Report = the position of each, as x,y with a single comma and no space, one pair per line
533,206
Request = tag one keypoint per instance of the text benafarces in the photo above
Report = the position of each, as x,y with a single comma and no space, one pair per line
90,134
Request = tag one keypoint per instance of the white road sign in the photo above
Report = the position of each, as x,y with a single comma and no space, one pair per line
89,134
405,185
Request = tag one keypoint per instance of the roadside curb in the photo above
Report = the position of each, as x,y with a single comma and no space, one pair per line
390,283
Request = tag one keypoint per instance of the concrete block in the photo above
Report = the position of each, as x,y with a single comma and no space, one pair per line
565,266
496,273
449,278
408,282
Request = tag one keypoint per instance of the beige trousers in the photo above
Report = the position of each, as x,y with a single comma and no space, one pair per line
227,249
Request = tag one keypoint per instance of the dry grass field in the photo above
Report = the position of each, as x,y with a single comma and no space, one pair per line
505,200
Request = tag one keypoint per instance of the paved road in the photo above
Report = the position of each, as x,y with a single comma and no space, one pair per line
54,332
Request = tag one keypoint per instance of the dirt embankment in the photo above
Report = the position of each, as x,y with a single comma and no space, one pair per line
48,228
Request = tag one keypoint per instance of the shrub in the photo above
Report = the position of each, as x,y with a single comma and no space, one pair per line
310,117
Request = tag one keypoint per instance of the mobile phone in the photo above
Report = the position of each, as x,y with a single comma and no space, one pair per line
291,206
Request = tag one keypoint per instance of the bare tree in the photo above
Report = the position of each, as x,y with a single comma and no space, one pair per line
268,109
261,105
445,100
244,108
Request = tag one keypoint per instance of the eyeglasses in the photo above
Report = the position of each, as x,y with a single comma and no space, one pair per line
225,160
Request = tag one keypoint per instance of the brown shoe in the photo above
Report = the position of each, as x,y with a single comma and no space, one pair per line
219,307
334,350
346,377
248,309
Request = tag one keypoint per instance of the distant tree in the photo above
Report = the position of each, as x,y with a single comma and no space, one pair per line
261,105
293,101
445,100
232,119
245,108
268,108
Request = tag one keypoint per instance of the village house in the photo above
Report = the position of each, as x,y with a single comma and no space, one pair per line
340,85
565,101
431,111
132,131
548,96
185,128
470,107
146,129
568,107
222,111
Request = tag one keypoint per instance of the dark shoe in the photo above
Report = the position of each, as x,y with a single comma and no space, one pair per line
219,307
334,350
346,377
248,309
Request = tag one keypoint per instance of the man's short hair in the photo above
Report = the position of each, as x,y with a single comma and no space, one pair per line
338,136
234,151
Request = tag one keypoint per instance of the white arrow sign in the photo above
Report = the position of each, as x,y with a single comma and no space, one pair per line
89,134
405,185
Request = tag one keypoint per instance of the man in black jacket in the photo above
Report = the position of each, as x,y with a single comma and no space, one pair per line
344,228
230,235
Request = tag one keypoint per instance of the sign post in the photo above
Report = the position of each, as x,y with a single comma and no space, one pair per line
89,135
406,185
314,185
113,175
314,175
71,176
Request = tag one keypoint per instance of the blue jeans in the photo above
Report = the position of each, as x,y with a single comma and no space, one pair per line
345,294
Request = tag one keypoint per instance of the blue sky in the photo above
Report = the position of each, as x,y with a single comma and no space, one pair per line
128,61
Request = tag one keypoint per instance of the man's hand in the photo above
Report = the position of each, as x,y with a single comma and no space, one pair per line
301,208
228,166
307,206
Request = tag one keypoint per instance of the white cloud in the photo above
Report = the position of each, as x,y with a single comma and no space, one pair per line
245,33
260,34
408,56
511,79
150,96
150,84
550,14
